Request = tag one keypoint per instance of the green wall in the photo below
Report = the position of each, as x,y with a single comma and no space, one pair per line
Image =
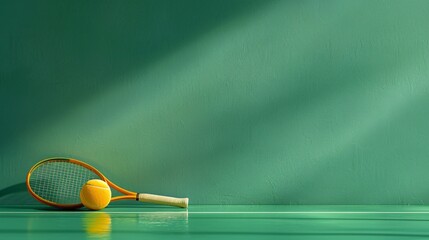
227,102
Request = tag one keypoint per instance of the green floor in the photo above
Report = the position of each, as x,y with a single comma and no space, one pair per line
217,222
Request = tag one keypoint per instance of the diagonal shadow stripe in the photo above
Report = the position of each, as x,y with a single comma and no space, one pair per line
59,55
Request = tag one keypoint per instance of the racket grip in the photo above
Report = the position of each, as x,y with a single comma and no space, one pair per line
164,200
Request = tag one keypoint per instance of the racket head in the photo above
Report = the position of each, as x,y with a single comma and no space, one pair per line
57,181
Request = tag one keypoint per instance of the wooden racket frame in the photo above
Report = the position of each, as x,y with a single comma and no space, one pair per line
128,194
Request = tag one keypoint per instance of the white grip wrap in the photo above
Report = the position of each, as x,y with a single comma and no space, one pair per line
157,199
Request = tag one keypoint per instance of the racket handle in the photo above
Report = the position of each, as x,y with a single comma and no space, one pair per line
157,199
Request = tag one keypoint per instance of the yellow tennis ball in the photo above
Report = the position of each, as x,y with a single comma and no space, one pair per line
95,194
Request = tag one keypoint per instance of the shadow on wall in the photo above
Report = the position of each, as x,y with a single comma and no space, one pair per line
16,194
60,54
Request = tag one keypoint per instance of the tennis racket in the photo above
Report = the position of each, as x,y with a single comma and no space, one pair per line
57,182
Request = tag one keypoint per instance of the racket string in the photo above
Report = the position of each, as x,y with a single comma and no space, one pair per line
60,181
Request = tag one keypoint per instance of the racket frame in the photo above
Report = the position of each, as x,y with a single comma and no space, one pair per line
127,194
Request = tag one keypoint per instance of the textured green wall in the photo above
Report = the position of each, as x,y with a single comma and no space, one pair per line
227,102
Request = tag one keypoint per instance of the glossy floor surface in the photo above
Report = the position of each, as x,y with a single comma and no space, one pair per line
217,222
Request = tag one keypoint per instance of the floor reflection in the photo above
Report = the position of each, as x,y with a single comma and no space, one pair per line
101,225
175,221
97,225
